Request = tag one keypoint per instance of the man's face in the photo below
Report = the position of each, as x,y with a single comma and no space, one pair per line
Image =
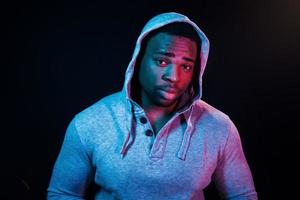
166,69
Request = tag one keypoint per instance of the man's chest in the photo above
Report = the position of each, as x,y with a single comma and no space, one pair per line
153,162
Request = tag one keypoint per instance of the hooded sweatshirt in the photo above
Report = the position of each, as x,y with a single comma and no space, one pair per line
111,143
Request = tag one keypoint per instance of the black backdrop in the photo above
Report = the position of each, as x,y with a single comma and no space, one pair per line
62,56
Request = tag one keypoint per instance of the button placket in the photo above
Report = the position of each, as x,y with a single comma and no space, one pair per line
144,122
147,131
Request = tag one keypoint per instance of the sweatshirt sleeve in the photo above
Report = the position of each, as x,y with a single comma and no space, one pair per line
72,171
233,177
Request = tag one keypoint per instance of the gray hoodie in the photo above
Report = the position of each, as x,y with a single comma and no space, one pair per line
107,143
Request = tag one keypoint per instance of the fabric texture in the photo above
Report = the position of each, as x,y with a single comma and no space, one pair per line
109,143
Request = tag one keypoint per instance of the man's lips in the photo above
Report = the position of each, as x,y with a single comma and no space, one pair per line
168,89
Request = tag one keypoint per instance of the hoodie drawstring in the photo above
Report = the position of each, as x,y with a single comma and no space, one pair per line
186,137
129,138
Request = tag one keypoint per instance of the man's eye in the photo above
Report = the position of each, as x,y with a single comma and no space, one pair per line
161,62
187,67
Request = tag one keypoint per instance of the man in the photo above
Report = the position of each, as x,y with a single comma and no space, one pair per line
156,139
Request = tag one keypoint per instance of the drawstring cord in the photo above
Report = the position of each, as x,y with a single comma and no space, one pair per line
129,126
186,137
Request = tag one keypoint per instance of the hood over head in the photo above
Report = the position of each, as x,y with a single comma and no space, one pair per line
155,23
186,100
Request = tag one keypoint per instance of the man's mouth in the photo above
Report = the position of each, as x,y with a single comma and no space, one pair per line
168,89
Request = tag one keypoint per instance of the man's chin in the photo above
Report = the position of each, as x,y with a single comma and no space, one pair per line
165,102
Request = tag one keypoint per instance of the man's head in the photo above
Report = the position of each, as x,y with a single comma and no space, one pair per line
167,65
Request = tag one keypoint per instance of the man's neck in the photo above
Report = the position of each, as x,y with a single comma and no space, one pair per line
158,115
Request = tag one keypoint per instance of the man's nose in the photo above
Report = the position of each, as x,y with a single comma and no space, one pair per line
171,74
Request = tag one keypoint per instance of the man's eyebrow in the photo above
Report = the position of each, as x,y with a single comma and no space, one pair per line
170,54
189,59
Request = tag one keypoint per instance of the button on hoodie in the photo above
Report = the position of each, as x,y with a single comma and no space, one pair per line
143,120
149,133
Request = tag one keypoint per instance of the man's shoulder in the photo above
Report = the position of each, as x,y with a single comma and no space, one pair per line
212,112
217,122
102,107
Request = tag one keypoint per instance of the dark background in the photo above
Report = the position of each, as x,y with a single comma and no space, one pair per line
62,56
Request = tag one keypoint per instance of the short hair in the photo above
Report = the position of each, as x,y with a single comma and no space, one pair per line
182,29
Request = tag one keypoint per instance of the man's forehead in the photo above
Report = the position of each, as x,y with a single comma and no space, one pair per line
167,44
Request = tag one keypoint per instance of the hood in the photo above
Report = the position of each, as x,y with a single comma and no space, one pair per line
155,23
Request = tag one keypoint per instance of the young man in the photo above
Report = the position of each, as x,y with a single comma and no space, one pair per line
156,139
